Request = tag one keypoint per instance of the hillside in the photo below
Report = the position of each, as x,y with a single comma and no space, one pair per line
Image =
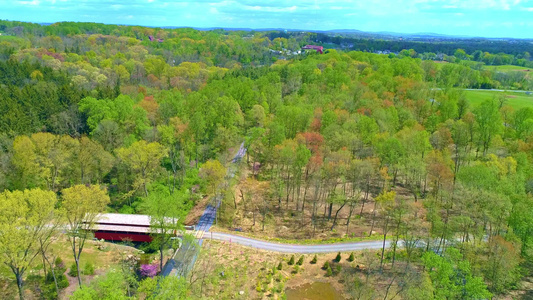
342,146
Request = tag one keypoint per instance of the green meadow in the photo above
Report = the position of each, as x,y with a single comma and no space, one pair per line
507,68
514,99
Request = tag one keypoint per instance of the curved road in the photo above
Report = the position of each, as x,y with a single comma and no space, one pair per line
290,248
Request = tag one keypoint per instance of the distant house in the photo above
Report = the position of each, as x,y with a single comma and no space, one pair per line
153,39
318,49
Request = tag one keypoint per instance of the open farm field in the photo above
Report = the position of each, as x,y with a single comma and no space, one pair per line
515,100
507,68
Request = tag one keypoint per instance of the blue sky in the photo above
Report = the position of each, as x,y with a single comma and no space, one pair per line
488,18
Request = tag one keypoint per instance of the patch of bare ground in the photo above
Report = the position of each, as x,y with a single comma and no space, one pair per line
196,212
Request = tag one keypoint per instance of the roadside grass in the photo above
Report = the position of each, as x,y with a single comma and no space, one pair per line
515,100
330,240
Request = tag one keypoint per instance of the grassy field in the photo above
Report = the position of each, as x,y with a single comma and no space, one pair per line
515,100
507,68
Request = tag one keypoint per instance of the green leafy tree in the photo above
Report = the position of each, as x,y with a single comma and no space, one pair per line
144,160
167,212
24,220
166,288
452,277
112,285
82,205
488,124
213,172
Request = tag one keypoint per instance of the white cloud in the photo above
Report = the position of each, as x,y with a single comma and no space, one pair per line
271,9
34,2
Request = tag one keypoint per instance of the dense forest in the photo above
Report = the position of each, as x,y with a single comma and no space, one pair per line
342,144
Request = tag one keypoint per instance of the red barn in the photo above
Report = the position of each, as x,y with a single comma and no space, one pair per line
318,49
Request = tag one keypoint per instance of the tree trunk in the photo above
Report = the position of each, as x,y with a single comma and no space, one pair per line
384,239
55,278
365,198
161,256
373,219
388,288
352,207
336,215
76,259
253,214
20,284
78,269
44,264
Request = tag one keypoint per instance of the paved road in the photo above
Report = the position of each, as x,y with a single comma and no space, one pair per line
184,258
289,248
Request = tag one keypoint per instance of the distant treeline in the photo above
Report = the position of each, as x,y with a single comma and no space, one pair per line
448,46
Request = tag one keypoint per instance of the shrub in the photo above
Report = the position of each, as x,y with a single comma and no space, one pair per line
352,257
148,271
313,261
58,263
338,269
300,261
329,272
296,269
88,269
338,257
73,272
326,265
48,291
280,266
62,281
291,261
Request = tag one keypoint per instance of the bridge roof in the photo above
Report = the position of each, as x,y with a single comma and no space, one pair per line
121,228
123,219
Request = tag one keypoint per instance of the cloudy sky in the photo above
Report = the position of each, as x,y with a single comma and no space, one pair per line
489,18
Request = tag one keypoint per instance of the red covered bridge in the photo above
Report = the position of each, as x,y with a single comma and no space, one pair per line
123,227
